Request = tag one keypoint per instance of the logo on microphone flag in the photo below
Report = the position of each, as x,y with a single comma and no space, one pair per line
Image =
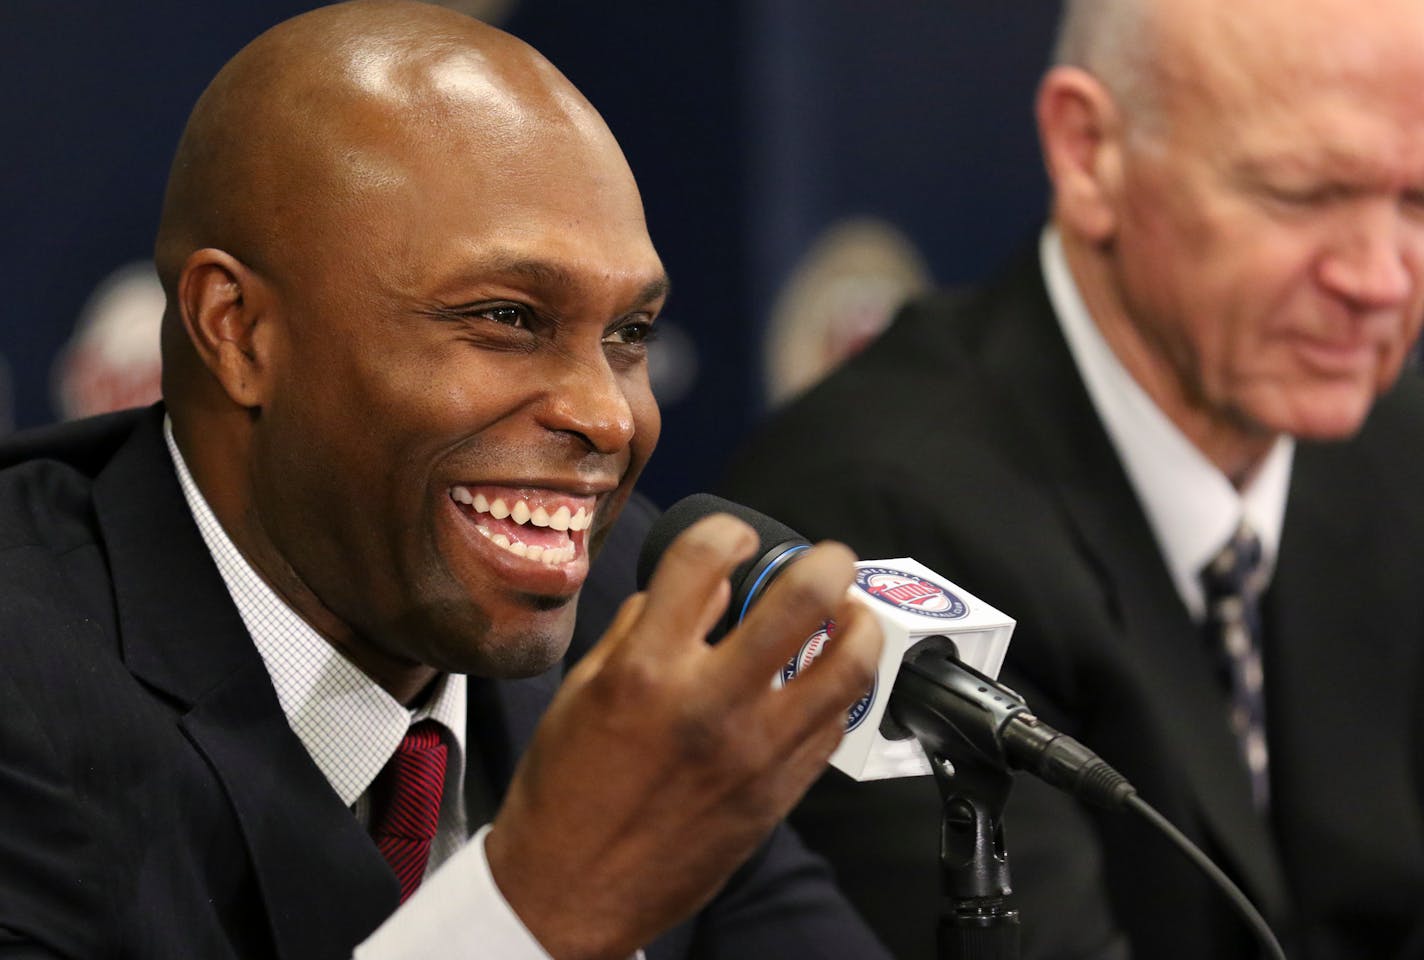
813,648
905,591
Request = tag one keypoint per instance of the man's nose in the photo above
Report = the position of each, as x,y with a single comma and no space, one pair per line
1372,263
585,397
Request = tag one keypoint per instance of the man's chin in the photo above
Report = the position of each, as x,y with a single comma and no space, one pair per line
1329,415
522,636
522,643
1317,425
527,655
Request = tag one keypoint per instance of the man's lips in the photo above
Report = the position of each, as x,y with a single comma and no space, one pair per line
532,524
1337,356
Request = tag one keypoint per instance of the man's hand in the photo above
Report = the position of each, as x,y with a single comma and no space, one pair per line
664,761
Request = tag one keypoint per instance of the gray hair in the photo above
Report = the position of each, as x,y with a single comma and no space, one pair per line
1114,41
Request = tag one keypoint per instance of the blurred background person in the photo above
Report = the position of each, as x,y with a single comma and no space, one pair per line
1176,445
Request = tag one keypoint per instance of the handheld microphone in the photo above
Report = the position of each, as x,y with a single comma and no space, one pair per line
934,682
779,545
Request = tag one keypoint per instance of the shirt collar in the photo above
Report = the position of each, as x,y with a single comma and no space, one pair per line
1192,507
348,723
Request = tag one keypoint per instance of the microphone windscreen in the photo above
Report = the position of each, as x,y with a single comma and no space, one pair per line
688,511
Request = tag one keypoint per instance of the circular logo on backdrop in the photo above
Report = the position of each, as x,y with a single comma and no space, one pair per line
810,650
112,359
839,296
905,591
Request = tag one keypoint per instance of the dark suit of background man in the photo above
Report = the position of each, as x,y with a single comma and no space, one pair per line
1212,332
335,573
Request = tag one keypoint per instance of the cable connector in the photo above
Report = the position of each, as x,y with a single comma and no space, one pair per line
1058,759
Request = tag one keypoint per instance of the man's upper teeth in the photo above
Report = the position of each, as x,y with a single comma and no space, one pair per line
521,513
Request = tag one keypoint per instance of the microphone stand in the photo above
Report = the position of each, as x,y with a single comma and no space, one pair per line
977,921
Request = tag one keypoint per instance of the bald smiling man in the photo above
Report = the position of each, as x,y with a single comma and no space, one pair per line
269,650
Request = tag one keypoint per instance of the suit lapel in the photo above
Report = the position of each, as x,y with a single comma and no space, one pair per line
1158,640
321,878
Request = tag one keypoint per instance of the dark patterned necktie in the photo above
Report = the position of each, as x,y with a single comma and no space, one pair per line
1234,581
405,804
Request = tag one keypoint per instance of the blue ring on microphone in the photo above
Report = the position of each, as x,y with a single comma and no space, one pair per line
771,568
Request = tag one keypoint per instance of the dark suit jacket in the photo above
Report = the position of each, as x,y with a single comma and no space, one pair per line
154,802
965,438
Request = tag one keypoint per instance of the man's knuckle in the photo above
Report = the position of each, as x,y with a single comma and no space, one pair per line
696,548
805,594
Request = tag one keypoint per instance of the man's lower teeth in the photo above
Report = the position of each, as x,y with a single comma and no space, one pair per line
549,556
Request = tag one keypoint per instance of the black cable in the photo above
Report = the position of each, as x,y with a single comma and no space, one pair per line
960,698
1243,906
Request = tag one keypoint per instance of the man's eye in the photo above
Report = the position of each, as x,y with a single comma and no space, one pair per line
506,315
1292,197
1310,196
640,332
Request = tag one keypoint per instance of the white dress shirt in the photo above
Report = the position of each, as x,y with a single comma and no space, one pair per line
351,726
1192,506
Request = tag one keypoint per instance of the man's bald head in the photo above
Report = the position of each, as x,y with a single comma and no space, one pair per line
315,114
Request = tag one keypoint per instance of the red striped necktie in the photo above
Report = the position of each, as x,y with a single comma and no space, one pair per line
405,804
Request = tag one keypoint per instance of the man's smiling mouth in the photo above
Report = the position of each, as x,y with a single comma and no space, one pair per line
546,525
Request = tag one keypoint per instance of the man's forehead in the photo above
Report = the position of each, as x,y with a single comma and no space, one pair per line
1219,72
420,148
1283,40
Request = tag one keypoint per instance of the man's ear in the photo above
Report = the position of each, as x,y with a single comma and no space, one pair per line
1080,129
224,305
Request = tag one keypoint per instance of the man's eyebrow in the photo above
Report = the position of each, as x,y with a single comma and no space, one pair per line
542,273
546,273
653,290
